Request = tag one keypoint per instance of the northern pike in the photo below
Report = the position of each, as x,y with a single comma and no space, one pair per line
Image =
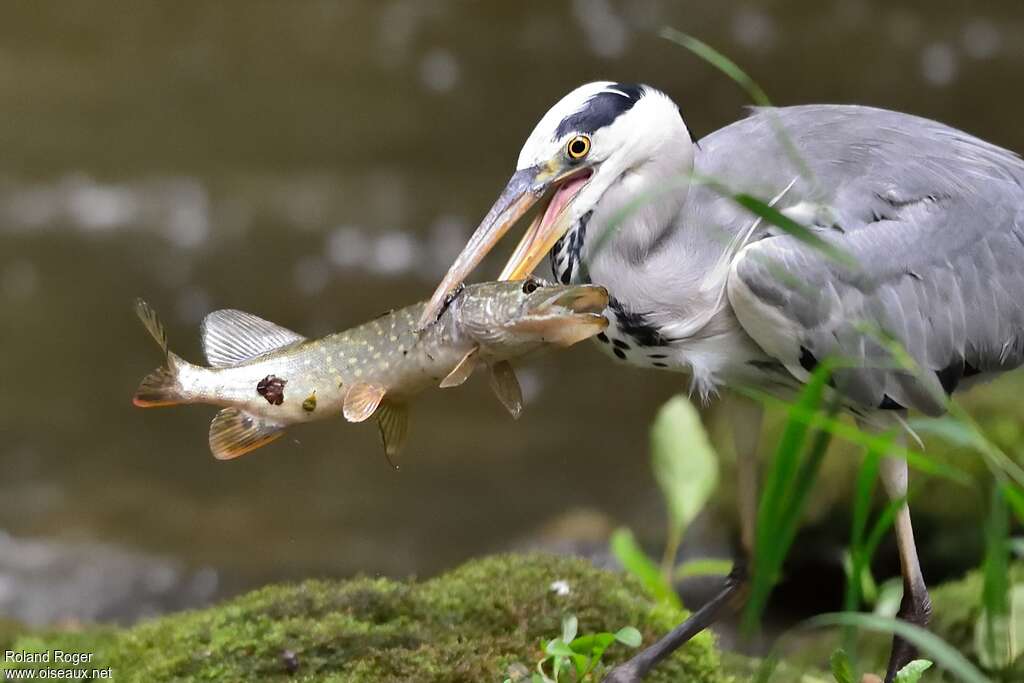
268,378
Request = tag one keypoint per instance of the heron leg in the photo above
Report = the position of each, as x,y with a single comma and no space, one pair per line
732,595
916,606
747,417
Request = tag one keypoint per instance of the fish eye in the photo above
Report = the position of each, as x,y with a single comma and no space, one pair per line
530,286
578,147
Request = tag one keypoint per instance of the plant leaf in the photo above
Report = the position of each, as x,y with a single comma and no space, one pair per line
842,670
913,671
569,627
557,647
702,566
685,464
629,636
625,549
591,642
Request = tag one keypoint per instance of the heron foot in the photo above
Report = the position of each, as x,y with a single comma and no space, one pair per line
915,608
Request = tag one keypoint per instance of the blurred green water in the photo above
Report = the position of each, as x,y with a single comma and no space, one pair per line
318,163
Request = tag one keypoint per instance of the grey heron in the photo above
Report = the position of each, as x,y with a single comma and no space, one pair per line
932,216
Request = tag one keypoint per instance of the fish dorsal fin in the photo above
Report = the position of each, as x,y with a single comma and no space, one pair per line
393,420
506,387
231,337
362,400
234,432
461,372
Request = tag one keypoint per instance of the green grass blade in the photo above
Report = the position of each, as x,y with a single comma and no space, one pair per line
915,459
776,518
720,61
938,650
995,568
867,475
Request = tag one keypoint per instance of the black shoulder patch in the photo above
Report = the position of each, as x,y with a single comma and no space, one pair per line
889,404
601,109
635,325
807,360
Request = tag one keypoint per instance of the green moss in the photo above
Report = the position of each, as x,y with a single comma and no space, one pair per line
470,624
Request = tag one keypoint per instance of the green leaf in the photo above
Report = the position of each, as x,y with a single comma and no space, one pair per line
913,671
890,595
629,636
592,642
703,566
685,464
569,628
557,647
625,549
842,670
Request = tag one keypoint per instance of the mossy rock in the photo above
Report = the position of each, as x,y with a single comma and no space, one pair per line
471,624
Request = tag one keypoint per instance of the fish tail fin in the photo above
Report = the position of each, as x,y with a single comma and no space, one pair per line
151,321
160,387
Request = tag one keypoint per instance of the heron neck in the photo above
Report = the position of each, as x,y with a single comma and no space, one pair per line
636,211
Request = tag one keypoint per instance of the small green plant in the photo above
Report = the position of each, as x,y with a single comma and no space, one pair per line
572,658
686,469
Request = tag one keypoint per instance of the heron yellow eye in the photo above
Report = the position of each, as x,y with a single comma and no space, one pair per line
578,147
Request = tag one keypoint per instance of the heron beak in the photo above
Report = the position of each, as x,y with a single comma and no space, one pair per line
524,189
546,229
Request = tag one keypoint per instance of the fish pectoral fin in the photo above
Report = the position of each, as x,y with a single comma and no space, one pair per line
235,432
461,372
362,400
393,421
506,387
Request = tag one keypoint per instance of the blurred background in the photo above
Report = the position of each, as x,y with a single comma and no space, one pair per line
318,163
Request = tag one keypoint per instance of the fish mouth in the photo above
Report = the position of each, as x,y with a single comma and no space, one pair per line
579,299
568,316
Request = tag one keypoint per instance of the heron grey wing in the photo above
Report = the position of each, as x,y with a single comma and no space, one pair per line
864,163
943,278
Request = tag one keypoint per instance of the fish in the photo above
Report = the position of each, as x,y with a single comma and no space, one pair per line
267,378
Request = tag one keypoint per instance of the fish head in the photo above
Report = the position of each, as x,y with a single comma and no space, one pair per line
511,318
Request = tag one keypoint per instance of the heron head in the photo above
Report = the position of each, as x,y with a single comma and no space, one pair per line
582,147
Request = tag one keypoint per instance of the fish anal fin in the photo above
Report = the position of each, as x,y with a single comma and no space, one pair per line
506,387
235,432
463,369
231,337
393,421
362,400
